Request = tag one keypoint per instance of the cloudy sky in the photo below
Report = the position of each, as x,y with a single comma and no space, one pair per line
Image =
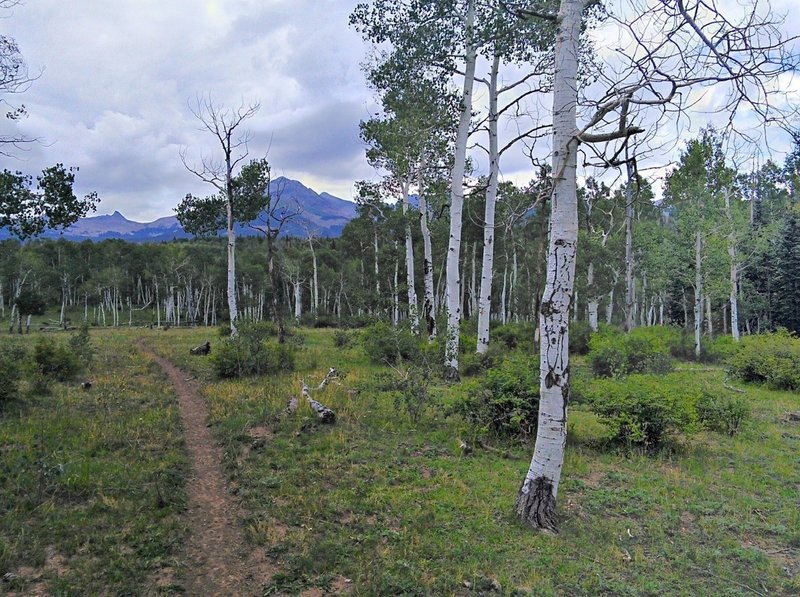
116,77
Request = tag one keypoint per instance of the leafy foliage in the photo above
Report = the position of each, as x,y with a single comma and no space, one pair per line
641,410
505,401
771,359
81,345
614,354
723,413
55,360
11,359
29,209
249,353
385,343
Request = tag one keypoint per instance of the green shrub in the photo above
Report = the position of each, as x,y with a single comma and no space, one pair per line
614,354
81,345
723,413
514,335
250,353
385,343
641,410
342,339
579,334
11,359
55,360
505,402
473,363
771,359
410,387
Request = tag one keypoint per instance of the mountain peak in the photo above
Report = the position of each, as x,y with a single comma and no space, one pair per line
324,213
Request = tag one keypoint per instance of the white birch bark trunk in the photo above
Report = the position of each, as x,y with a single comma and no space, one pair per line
734,300
413,312
457,203
231,267
537,496
429,306
698,292
487,265
734,277
314,279
594,302
298,300
630,280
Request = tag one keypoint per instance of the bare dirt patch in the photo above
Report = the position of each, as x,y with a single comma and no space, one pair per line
217,559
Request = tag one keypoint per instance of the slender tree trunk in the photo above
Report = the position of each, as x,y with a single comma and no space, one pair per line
457,203
536,500
298,300
610,306
413,313
734,300
698,292
710,324
429,307
734,277
273,280
231,267
630,279
594,302
314,279
487,265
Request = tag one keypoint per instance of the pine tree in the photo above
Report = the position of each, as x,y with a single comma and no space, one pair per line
787,276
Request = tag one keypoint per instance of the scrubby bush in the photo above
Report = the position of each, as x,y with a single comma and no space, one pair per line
641,410
357,321
250,353
81,344
505,401
723,413
514,335
410,387
579,334
385,343
11,360
614,354
342,339
473,363
771,359
55,360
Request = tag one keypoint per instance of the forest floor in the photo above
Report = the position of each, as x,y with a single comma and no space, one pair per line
98,493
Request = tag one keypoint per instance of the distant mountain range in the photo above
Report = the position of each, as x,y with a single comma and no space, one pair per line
321,213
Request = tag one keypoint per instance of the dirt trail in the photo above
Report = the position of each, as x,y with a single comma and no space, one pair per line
217,558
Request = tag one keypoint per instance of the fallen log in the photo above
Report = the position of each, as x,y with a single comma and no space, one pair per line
291,406
203,349
330,376
324,414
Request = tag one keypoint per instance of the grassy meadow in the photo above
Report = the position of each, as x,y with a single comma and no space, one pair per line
92,486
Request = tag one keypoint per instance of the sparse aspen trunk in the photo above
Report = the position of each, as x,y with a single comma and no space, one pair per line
594,302
315,279
429,306
413,313
734,277
298,300
487,265
231,266
630,279
536,500
698,292
457,203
